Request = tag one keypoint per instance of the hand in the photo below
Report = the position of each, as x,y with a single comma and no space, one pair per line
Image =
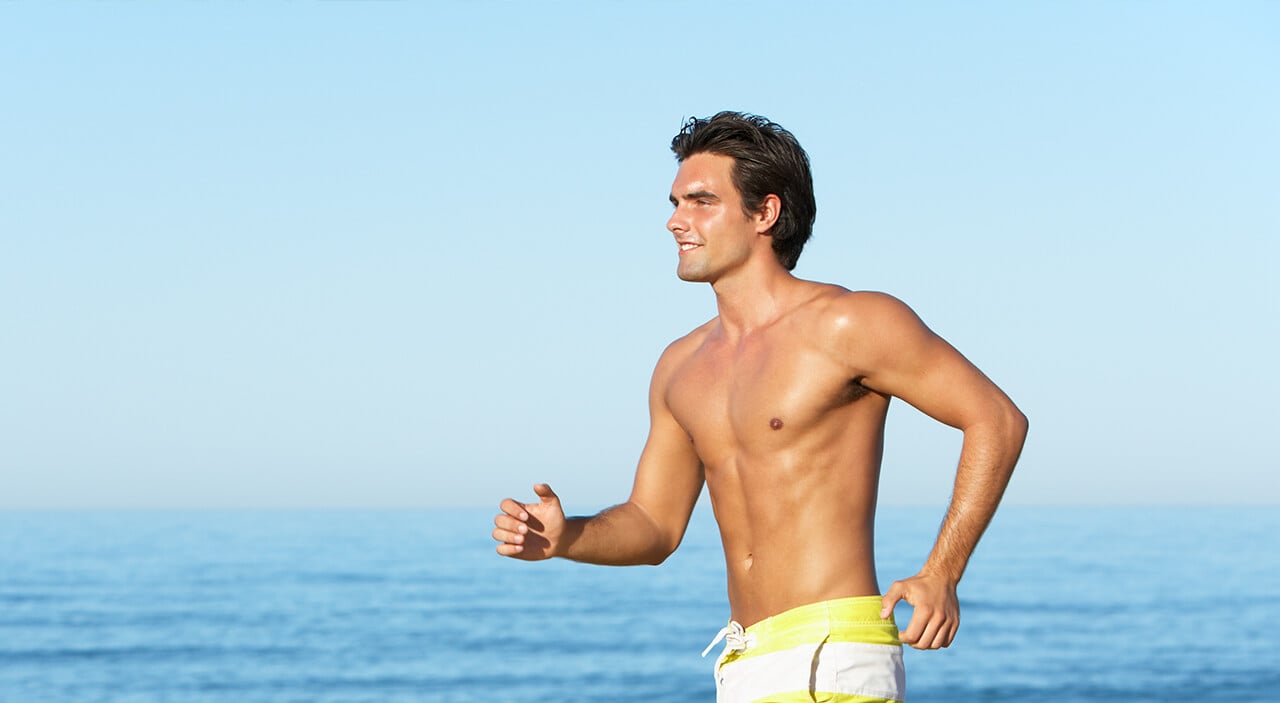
936,616
530,531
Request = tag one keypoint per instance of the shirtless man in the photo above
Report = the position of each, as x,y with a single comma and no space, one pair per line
778,404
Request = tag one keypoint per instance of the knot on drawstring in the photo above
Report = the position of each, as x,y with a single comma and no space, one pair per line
735,639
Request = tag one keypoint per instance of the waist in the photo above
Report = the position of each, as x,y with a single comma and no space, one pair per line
767,591
855,619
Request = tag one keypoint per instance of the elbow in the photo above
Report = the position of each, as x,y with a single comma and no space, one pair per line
1015,424
1019,424
1002,422
660,554
657,539
1003,426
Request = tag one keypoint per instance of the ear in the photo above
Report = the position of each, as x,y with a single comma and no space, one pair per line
767,214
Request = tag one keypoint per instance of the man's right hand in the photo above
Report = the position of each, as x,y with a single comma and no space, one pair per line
530,531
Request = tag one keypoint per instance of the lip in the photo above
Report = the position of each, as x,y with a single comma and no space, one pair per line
692,247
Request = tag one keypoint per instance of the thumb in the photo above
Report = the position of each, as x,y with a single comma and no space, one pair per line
895,593
547,495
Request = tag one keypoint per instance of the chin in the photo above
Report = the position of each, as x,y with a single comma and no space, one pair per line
692,276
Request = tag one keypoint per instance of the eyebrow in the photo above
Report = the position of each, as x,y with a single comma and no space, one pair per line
695,195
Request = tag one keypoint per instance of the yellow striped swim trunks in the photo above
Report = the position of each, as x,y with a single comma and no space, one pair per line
836,651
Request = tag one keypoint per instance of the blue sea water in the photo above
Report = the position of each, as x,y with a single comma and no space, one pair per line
1059,604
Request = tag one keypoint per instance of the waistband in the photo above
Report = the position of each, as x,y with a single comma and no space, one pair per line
855,619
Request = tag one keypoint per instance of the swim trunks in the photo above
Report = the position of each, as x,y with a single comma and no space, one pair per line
837,651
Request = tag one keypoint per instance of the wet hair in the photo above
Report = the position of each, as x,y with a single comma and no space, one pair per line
767,159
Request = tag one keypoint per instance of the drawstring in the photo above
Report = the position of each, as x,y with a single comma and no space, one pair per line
735,639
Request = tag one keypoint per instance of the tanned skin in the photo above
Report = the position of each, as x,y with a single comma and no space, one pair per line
778,405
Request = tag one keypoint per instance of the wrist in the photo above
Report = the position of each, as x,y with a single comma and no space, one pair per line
570,534
946,573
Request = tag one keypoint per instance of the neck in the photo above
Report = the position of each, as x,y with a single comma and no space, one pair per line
753,297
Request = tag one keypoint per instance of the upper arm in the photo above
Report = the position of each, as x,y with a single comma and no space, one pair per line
669,476
896,354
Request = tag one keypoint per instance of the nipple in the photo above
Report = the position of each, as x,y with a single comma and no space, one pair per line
776,423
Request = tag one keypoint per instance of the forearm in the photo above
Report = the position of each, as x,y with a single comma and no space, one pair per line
623,535
987,459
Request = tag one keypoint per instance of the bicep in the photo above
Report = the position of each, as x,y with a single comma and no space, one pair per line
669,475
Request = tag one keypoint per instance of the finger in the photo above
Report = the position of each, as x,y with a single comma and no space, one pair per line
546,494
943,638
507,536
946,630
514,509
510,550
506,522
953,626
916,626
930,633
890,599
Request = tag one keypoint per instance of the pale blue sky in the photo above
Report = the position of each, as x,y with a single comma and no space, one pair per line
392,254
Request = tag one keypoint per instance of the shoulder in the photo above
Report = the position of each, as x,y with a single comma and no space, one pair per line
864,327
682,349
840,311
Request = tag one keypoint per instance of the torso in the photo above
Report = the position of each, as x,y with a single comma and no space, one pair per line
791,445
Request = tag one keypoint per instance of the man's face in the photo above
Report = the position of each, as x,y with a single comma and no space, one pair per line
711,230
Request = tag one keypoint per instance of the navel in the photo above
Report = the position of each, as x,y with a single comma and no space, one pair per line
776,423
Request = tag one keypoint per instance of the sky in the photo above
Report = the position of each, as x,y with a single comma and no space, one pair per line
403,255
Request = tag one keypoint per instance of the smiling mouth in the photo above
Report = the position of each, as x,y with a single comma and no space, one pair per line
688,247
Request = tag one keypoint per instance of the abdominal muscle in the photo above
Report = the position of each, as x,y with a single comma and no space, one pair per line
794,536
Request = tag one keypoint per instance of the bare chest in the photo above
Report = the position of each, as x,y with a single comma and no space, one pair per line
757,397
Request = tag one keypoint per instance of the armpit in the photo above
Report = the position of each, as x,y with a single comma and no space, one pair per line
854,390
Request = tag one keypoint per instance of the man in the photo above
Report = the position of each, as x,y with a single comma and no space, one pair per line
778,404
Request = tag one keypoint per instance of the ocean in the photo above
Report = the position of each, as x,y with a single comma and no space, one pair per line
1059,604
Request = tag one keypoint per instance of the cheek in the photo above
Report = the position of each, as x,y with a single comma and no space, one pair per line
709,220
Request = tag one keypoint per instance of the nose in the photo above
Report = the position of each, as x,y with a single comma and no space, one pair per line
676,223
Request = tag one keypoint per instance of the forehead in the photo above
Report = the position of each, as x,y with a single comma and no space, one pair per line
705,172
